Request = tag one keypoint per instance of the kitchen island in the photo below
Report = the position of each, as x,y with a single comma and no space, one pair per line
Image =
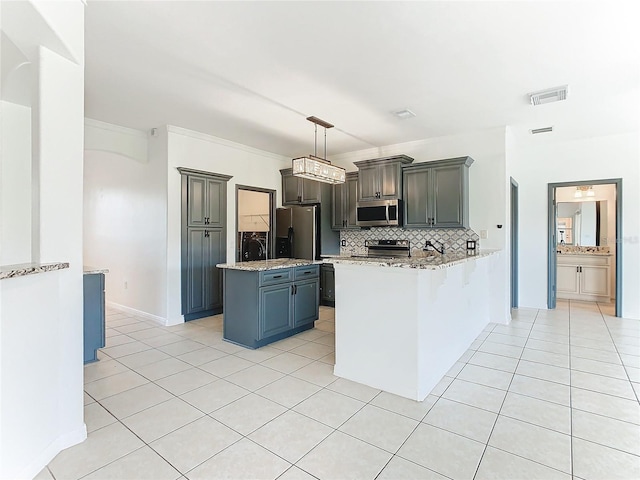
268,300
402,323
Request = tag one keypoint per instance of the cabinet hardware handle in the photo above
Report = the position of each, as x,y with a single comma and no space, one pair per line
206,233
277,276
295,289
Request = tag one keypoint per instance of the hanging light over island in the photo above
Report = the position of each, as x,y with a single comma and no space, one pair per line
316,168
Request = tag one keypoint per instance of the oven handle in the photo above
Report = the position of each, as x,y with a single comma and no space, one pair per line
386,211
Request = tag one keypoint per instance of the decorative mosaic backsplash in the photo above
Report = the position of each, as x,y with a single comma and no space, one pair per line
455,240
579,249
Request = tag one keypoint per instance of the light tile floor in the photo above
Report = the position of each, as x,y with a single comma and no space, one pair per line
553,395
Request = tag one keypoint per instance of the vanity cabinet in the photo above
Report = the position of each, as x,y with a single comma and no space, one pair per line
262,307
381,178
436,194
583,277
345,198
299,191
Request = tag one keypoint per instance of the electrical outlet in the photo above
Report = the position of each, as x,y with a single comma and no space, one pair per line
484,234
343,243
126,285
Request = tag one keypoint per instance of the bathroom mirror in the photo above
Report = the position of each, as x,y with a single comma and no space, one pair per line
581,223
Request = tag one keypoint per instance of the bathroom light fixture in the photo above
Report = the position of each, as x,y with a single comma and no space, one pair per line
318,168
586,190
549,95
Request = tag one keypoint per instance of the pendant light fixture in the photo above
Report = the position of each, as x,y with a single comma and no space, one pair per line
317,168
584,190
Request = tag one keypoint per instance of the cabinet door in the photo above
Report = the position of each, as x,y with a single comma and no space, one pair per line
328,284
290,189
351,201
567,279
197,270
595,280
196,201
368,183
390,178
215,201
311,192
448,196
215,244
276,315
306,302
339,198
416,185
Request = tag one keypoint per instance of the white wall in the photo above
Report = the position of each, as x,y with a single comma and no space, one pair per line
125,216
542,161
488,200
248,166
41,381
15,142
253,211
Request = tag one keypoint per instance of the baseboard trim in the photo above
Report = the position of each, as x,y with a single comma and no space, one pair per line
65,440
138,313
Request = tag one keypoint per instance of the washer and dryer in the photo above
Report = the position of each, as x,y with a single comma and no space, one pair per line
253,246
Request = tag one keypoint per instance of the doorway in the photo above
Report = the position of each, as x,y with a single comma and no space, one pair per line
255,223
514,243
585,221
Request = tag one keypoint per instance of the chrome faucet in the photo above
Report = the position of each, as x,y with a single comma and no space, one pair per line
435,247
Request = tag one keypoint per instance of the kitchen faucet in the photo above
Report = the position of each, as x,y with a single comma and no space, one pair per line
435,247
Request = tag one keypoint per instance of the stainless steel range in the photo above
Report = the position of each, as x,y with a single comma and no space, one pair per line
386,249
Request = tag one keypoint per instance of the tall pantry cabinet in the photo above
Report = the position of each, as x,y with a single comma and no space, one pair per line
204,241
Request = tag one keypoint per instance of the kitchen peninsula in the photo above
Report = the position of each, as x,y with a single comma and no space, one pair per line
268,300
402,323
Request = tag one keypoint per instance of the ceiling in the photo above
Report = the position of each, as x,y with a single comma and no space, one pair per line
251,72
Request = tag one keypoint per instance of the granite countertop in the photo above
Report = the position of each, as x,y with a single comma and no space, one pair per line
274,264
22,269
91,270
594,254
429,262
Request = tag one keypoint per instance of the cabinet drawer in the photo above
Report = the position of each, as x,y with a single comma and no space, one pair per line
307,271
272,277
568,259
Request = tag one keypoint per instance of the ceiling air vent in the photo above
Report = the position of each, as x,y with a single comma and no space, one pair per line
541,130
550,95
404,114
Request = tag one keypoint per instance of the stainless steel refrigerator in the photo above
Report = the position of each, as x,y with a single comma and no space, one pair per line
298,232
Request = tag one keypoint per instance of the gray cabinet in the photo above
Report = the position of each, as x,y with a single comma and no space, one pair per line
93,315
297,190
204,239
381,178
345,198
327,285
205,197
436,194
263,307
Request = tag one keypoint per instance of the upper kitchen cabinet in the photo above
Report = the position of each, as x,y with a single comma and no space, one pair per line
297,190
436,194
205,200
381,179
345,197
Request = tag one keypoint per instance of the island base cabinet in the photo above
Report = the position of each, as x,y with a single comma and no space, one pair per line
93,315
264,307
275,310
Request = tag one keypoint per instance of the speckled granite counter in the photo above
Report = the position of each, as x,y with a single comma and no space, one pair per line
23,269
432,262
274,264
91,270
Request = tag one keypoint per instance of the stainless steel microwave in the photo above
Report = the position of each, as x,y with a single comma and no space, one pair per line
379,213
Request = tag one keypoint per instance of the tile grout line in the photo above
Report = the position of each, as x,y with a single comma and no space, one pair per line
486,446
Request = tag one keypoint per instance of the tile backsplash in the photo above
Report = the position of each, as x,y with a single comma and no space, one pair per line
454,239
